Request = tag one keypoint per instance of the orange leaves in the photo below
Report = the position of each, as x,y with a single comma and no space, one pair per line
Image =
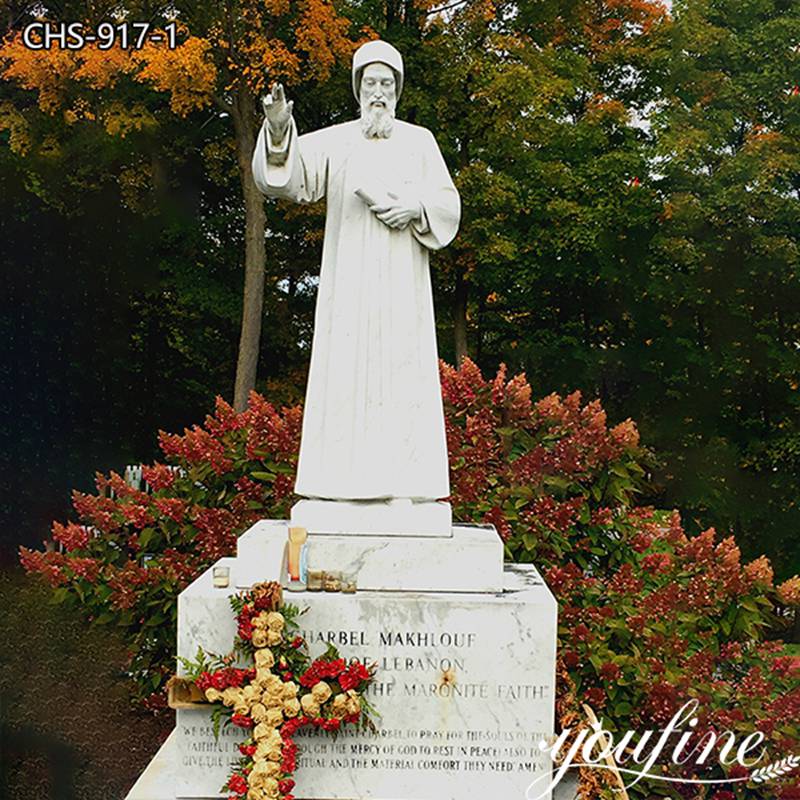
642,13
265,61
119,120
288,40
607,24
52,72
484,10
605,109
322,35
188,72
257,55
102,68
79,110
275,8
47,72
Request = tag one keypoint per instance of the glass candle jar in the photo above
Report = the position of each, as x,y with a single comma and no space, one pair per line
221,577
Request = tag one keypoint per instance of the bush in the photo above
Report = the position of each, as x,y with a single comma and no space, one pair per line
648,616
136,550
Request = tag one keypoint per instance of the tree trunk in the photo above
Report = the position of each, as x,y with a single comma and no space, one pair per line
246,129
460,318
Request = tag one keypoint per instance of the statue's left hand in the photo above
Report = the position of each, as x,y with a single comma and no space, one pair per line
398,213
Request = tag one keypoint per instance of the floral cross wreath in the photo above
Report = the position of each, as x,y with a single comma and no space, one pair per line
282,693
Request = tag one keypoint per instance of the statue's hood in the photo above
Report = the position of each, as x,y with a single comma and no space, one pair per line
380,52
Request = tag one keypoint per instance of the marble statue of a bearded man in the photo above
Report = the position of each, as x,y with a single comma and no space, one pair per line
373,425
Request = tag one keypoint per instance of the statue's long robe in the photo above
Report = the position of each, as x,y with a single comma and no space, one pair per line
373,423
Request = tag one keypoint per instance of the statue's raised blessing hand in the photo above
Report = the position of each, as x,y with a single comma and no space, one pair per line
278,112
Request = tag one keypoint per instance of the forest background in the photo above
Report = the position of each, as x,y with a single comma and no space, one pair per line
630,177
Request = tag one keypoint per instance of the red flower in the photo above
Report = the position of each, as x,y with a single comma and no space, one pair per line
204,681
288,764
738,771
238,784
138,515
582,633
571,659
290,727
245,629
332,669
285,785
610,672
657,562
353,676
247,749
309,678
235,677
159,476
171,507
73,537
596,697
262,603
297,642
219,681
241,721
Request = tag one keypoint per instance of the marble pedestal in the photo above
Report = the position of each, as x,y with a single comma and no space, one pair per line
465,684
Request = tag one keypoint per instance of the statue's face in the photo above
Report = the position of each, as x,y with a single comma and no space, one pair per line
378,89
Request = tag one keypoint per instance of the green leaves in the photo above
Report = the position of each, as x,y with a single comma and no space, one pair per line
259,475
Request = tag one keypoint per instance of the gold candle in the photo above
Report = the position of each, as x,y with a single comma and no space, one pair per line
316,578
332,582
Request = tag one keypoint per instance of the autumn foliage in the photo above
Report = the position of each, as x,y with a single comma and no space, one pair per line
195,74
648,616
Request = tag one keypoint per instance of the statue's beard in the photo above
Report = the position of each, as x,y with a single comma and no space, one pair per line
377,122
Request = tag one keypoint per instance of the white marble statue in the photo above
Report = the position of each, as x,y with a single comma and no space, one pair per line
373,424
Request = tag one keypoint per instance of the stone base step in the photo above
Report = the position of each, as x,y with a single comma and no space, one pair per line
471,560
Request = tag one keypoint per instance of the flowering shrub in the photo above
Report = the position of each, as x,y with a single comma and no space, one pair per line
665,618
534,470
136,550
648,616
